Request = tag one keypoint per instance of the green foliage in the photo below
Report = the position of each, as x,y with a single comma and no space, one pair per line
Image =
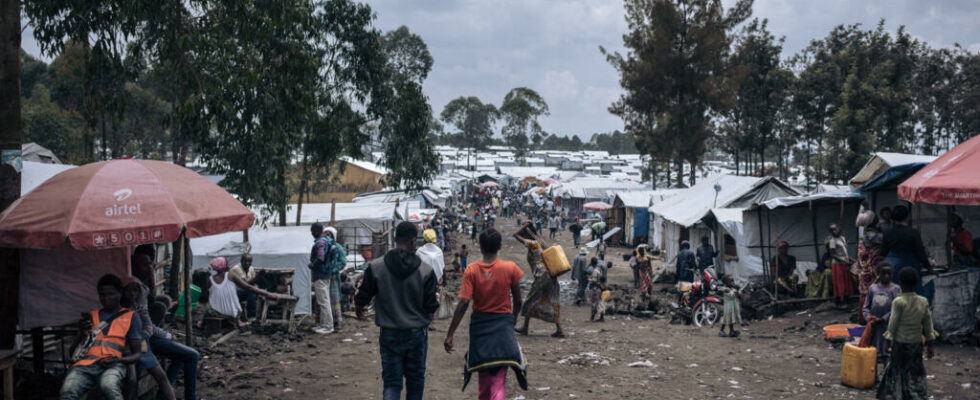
473,121
520,111
675,73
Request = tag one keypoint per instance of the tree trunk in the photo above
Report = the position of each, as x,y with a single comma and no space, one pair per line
736,162
694,176
303,177
667,170
11,138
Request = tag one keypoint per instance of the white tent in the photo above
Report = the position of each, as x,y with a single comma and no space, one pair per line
35,173
357,223
677,218
800,221
281,247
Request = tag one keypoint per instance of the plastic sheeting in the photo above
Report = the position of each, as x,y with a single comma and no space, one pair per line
954,304
688,206
35,173
286,247
794,225
356,222
57,285
882,161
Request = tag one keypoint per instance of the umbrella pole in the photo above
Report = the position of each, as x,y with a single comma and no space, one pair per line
188,322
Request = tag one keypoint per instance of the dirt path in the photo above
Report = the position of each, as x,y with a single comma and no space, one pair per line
784,357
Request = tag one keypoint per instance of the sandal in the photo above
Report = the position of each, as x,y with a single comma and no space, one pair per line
558,335
521,332
722,334
734,334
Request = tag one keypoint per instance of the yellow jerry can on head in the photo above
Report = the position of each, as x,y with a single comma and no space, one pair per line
857,366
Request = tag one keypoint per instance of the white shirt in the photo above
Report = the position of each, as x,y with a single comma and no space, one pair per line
431,254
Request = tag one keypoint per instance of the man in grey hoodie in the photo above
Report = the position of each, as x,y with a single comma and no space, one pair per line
404,293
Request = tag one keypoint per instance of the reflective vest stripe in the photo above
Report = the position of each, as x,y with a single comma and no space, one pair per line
111,344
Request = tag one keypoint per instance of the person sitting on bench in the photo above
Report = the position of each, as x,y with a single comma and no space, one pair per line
117,344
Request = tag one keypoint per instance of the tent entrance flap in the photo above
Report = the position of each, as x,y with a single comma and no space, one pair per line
641,222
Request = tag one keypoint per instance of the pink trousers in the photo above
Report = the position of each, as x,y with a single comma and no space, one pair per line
493,384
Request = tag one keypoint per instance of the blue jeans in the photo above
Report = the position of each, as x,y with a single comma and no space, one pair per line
403,354
181,357
80,379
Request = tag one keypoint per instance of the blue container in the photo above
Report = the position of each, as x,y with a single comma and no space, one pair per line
856,331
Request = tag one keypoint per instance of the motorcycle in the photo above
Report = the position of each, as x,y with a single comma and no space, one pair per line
696,297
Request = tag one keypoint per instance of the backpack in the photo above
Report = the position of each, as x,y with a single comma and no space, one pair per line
333,259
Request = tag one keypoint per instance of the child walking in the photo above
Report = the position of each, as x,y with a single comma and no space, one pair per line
910,321
597,285
733,307
877,308
456,264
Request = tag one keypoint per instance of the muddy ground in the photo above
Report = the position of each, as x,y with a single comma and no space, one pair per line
783,357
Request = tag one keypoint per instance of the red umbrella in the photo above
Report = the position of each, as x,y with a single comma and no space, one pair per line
596,206
120,203
949,179
490,184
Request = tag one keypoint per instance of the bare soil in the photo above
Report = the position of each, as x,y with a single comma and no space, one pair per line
782,357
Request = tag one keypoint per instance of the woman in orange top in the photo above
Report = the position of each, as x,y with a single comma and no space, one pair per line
490,285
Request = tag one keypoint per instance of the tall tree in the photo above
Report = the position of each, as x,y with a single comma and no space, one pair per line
520,111
472,119
762,91
675,73
407,129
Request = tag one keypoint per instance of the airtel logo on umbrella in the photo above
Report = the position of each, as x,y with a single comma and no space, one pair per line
117,209
123,194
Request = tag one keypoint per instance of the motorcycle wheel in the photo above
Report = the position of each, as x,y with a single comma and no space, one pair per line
707,313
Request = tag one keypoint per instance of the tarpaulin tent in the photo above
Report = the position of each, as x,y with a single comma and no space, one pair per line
675,218
882,161
278,247
800,221
631,211
357,223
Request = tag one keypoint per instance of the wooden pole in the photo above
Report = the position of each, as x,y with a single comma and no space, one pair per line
333,212
813,223
189,321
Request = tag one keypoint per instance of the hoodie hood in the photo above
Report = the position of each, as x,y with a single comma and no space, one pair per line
402,263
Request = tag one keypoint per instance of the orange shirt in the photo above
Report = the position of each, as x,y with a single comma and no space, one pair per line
488,285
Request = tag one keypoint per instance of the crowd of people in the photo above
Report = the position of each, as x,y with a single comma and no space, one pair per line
407,284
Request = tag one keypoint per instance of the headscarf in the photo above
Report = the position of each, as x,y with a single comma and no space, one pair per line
219,265
782,244
865,218
429,235
332,230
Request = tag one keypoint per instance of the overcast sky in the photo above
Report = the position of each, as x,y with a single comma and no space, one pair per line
485,48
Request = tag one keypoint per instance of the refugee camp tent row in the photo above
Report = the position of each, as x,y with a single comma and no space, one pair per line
679,217
575,193
631,212
800,221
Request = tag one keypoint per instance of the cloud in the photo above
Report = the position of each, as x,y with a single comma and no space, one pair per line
486,48
558,85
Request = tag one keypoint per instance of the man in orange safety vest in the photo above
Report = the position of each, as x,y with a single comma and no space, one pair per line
116,344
